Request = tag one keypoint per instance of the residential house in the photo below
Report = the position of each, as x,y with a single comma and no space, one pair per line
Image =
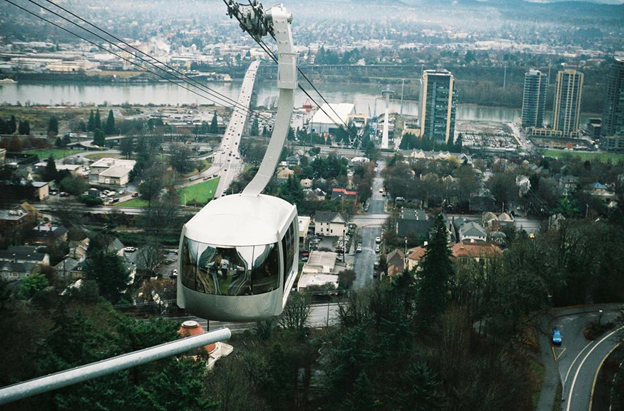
330,223
292,161
304,227
568,184
479,251
314,195
472,232
283,174
69,269
78,249
14,217
342,194
414,257
396,262
306,183
600,191
414,223
48,233
18,262
24,189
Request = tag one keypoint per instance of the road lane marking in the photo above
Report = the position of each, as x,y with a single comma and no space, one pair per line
576,358
582,362
591,397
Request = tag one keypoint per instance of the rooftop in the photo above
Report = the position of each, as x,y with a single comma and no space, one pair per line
341,115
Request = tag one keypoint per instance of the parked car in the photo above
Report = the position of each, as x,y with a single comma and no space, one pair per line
135,194
53,192
378,240
64,194
359,248
377,249
556,336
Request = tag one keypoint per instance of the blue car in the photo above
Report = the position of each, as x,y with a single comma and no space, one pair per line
556,336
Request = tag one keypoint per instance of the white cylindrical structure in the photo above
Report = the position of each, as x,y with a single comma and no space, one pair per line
87,372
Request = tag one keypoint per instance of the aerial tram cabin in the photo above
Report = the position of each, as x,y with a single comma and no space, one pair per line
238,257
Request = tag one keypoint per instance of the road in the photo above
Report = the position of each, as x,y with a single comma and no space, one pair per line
227,162
320,316
576,361
370,225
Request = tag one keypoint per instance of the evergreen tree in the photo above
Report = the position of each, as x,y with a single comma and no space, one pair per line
12,125
53,126
97,123
24,128
4,127
50,172
214,125
110,128
58,142
98,138
109,271
126,146
437,270
91,123
254,128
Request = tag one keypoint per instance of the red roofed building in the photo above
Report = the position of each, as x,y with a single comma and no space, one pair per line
478,251
415,256
343,194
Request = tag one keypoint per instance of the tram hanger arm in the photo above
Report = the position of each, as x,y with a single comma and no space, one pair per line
280,20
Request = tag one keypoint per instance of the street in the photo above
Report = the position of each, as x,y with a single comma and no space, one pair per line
321,315
370,225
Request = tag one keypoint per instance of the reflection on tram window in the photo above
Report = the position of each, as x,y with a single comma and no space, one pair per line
189,263
265,275
230,270
288,250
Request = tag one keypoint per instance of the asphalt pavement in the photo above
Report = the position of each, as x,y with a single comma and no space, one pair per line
370,225
575,363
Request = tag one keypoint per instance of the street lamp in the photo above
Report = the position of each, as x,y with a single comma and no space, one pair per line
599,317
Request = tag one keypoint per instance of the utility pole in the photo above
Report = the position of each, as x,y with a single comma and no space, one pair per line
505,77
402,90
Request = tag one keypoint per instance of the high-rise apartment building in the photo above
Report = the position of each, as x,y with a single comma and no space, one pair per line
534,99
437,106
613,112
567,107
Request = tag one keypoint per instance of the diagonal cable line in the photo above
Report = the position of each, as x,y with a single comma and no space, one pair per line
272,55
173,69
109,51
274,58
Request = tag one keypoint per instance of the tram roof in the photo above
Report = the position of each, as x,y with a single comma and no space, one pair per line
238,220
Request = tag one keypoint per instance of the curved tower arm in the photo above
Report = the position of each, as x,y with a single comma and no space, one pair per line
281,20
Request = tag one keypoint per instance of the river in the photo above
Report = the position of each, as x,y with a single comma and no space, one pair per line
365,97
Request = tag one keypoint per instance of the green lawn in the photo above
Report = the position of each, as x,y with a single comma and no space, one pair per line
56,152
604,157
134,203
200,193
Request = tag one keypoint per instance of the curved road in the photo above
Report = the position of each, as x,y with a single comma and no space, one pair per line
576,361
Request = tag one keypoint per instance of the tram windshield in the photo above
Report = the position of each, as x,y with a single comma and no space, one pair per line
230,271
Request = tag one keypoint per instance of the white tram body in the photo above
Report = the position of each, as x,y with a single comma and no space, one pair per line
238,258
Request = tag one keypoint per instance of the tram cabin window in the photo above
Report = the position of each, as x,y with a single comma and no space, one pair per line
233,271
